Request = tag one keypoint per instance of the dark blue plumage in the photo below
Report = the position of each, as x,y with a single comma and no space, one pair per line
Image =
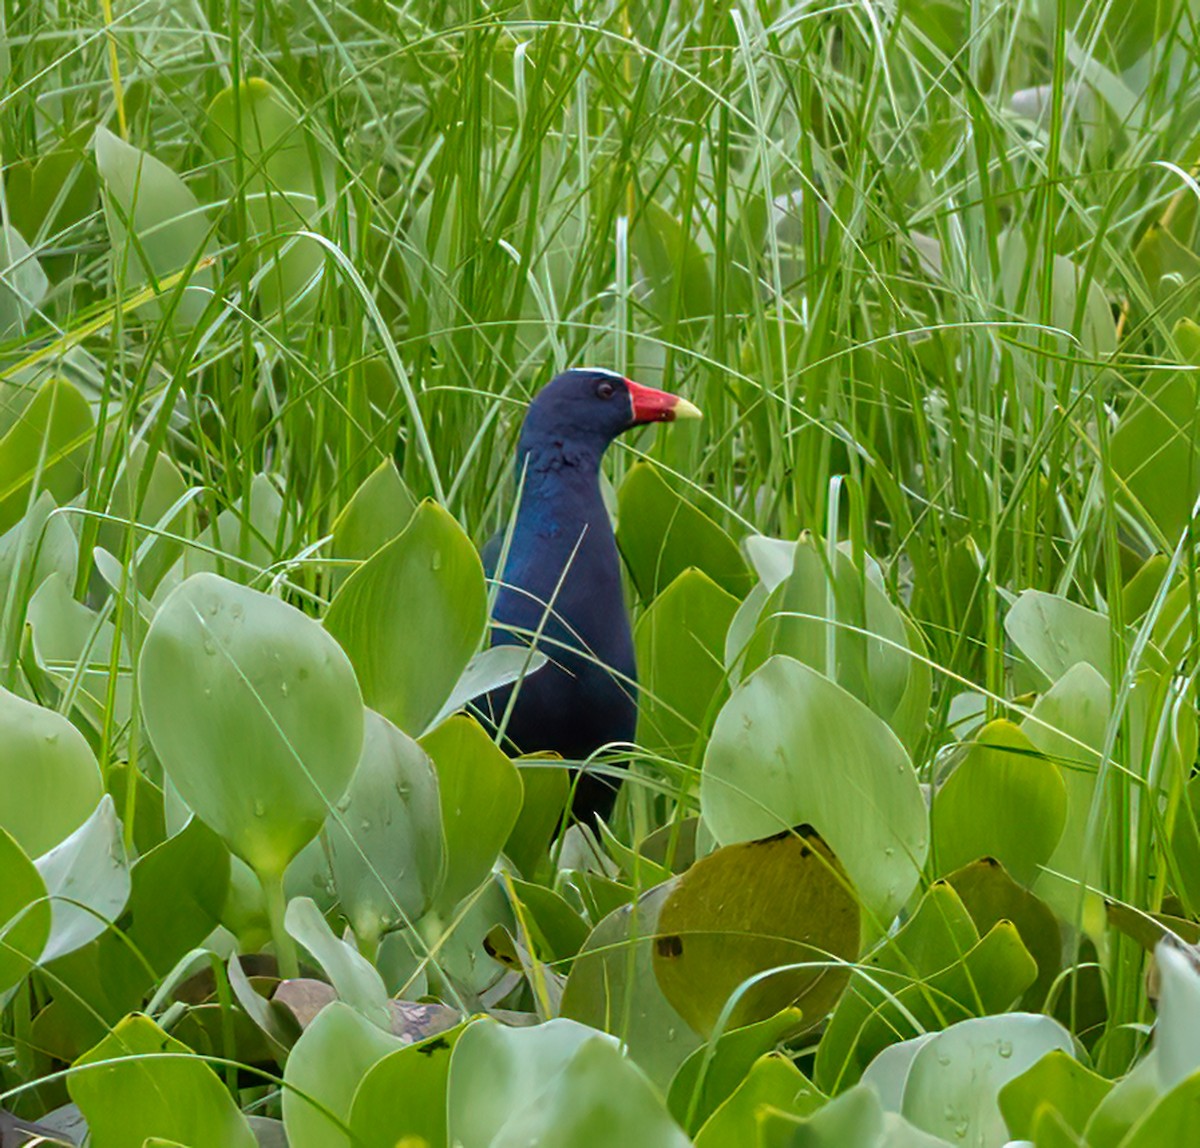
562,577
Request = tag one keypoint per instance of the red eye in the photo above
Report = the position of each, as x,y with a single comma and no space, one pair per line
605,390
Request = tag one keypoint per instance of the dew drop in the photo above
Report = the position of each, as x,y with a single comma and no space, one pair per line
302,673
343,803
960,1130
52,737
890,851
1005,1049
435,562
364,825
209,648
260,807
948,1113
944,1061
283,688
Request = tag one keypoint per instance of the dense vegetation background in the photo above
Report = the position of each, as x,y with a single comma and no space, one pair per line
271,274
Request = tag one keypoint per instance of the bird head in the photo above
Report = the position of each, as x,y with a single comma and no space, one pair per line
591,405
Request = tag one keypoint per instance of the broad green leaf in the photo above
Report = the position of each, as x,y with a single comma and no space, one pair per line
675,268
326,1067
40,545
24,913
714,1072
661,534
1058,1080
613,987
87,879
1068,725
868,638
385,838
1004,800
991,896
404,1095
559,930
254,712
745,910
177,895
934,970
773,1081
1129,1099
130,1087
23,283
155,224
47,441
551,1085
545,790
288,175
411,617
480,793
51,196
680,642
351,974
888,1073
792,748
1172,1119
377,512
955,1078
43,754
1177,1035
488,670
854,1120
1055,634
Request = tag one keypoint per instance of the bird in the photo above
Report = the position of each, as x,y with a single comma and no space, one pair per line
560,587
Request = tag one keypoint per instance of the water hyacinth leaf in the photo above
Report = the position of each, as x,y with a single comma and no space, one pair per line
714,1072
1058,1080
1154,450
354,977
489,670
62,182
1068,724
545,790
934,970
255,714
661,534
772,558
87,879
326,1066
385,838
411,617
47,440
790,747
284,187
40,545
480,793
178,893
680,642
867,636
1004,800
1055,634
24,913
377,512
672,264
155,224
991,896
616,991
854,1120
773,1082
750,908
44,753
1172,1119
23,283
956,1077
1177,1036
404,1095
888,1073
128,1087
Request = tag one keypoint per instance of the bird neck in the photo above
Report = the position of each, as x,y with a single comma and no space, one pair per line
559,482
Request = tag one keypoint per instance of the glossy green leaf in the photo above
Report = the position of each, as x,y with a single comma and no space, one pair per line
714,1072
1127,1101
773,1082
1004,800
745,910
87,879
43,754
792,748
675,268
613,987
955,1078
24,913
1171,1120
40,545
130,1088
1058,1080
155,223
288,176
378,511
385,838
1177,1035
404,1095
1055,634
23,283
662,534
411,617
680,641
480,793
326,1067
48,442
551,1085
545,789
855,1120
255,714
